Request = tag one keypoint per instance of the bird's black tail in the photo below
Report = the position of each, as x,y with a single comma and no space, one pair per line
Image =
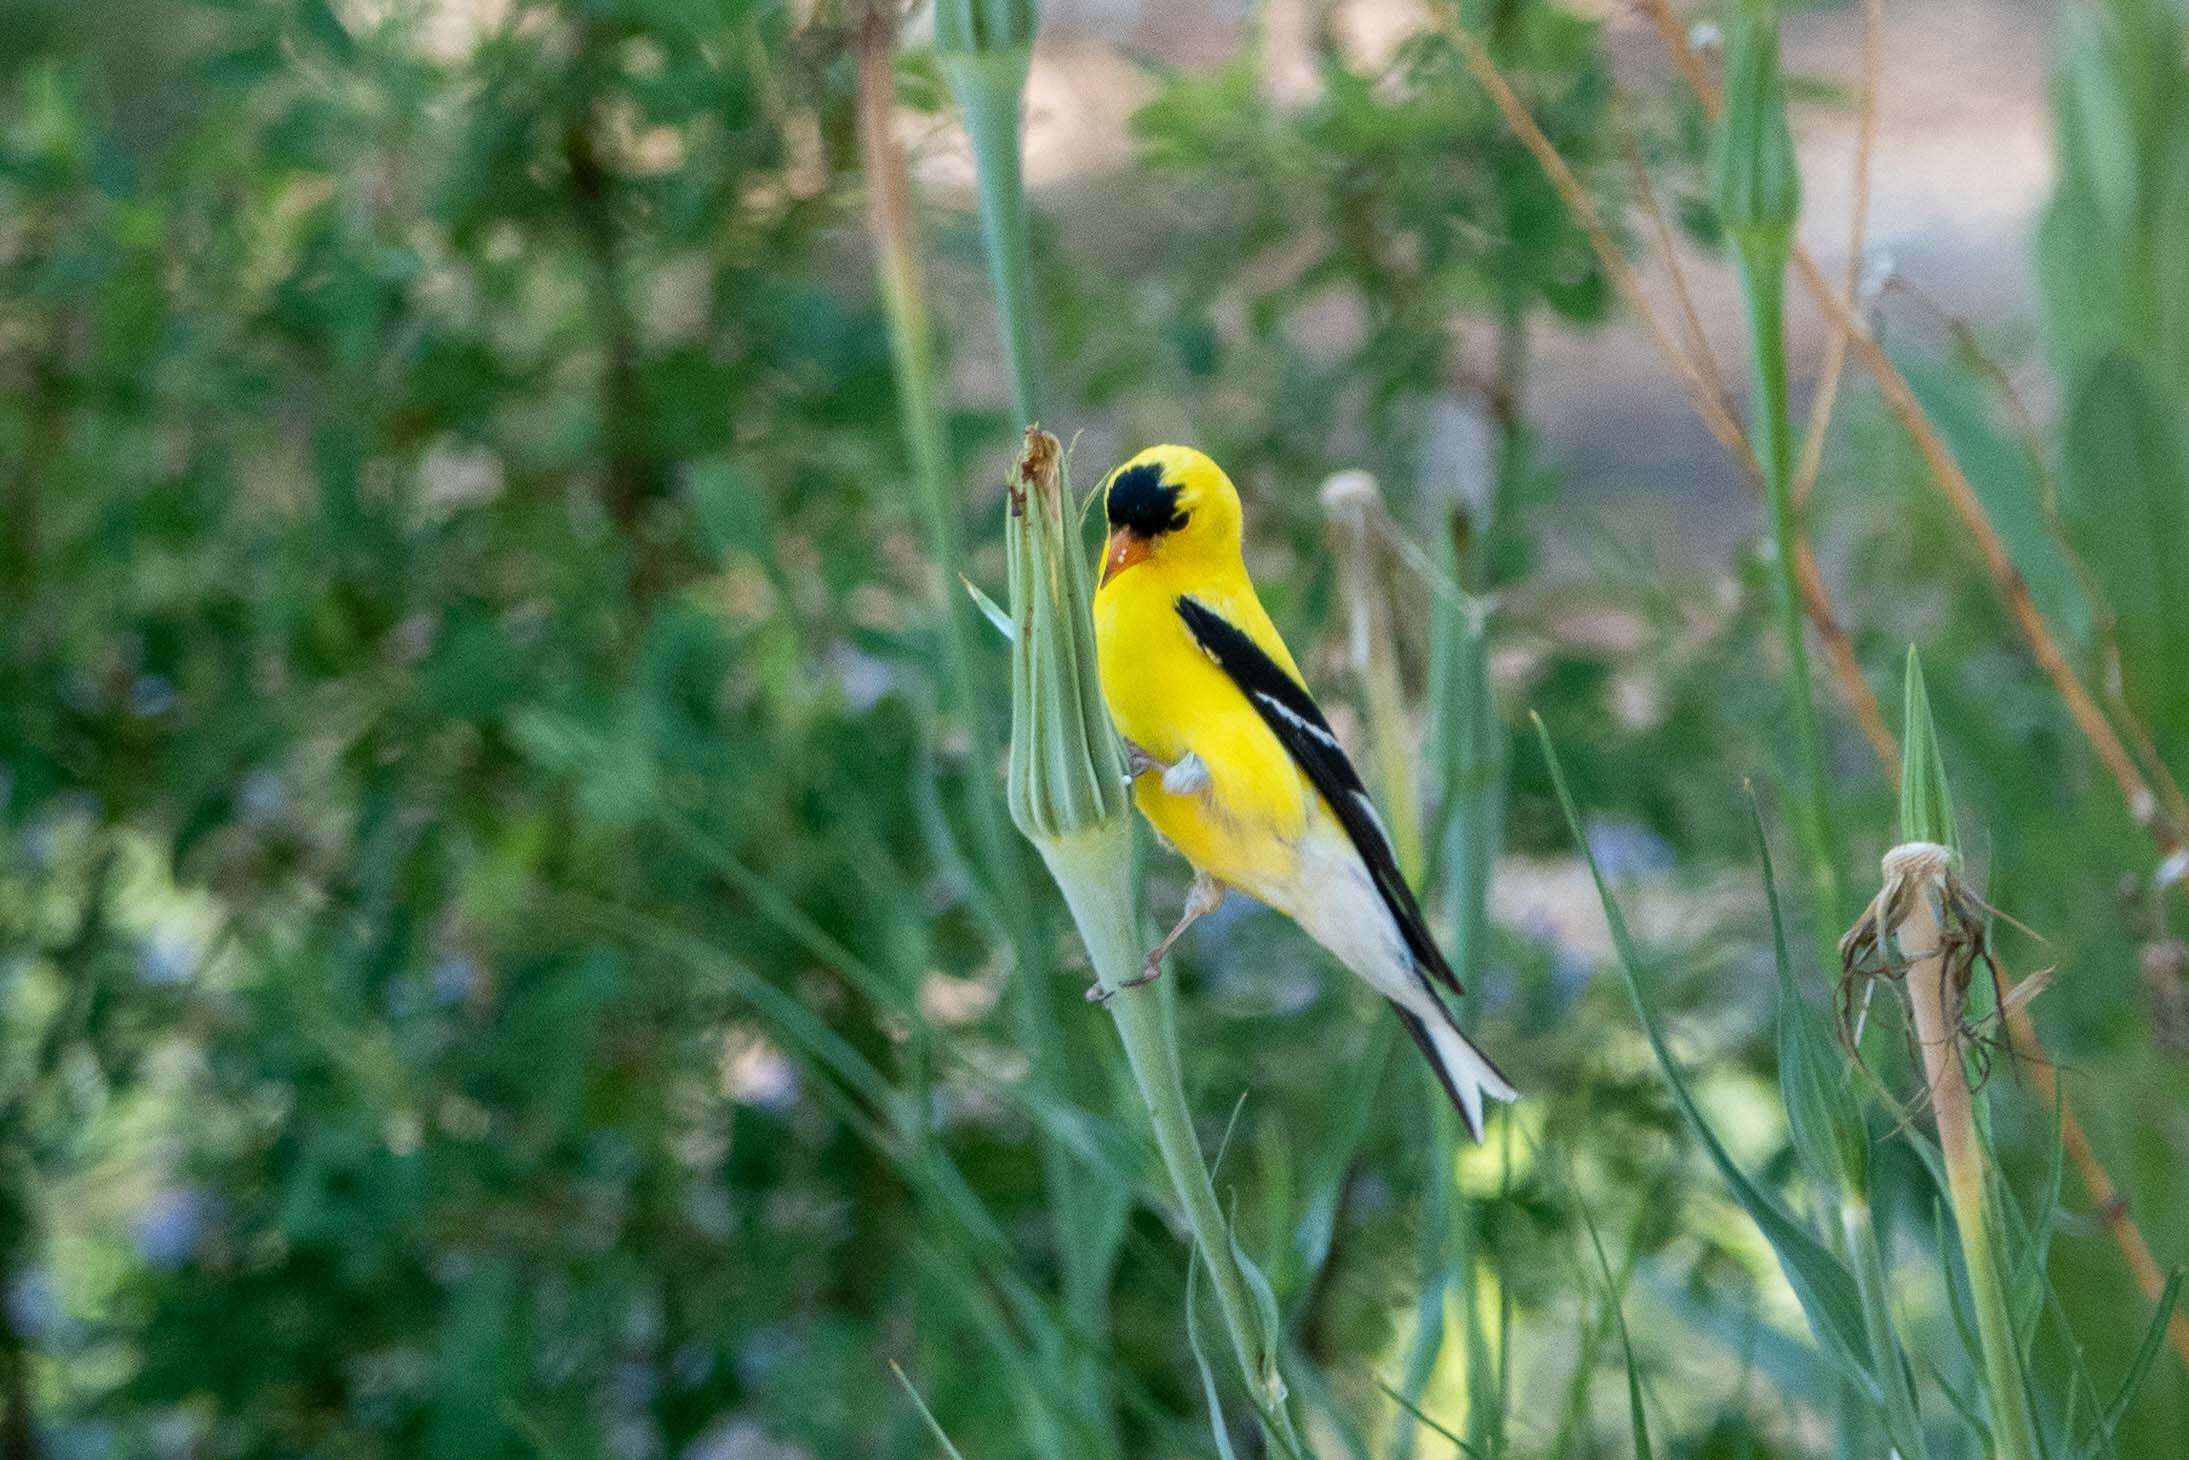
1465,1072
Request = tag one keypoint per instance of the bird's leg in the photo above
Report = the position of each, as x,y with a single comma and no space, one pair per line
1138,762
1186,776
1205,897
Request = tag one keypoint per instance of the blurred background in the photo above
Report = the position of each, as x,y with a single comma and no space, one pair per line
507,944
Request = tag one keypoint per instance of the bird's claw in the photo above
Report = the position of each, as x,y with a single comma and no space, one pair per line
1149,973
1138,762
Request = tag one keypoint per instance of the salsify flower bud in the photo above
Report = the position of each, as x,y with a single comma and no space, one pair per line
1067,771
964,27
1758,184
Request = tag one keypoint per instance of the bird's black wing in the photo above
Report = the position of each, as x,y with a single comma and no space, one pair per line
1293,717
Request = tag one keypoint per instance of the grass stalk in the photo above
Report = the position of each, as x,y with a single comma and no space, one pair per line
1354,506
1858,225
894,229
1067,796
986,51
1816,602
1468,742
1762,280
1096,875
1902,1419
1759,198
1934,1001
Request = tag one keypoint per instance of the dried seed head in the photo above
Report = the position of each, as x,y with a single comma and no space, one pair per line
2165,968
1921,912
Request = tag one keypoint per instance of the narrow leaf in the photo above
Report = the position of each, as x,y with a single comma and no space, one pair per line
1420,1414
934,1426
1821,1110
991,610
1926,809
2146,1353
1637,1418
1201,1359
1821,1283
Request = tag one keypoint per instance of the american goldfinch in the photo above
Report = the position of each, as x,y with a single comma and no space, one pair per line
1235,766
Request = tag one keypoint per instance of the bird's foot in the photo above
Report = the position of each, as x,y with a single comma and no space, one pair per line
1149,973
1138,763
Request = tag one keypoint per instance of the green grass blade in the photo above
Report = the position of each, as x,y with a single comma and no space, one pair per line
1926,806
1637,1417
1821,1110
1821,1283
2147,1352
934,1426
1423,1415
1446,1247
1201,1359
999,618
1965,1407
2030,1249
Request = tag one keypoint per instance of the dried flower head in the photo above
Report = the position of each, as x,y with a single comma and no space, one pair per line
1924,911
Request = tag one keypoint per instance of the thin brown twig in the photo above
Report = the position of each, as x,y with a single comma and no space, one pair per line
1683,54
1716,416
1835,343
2141,803
2048,502
2082,707
1668,255
1947,473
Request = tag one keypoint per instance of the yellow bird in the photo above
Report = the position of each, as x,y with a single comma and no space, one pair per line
1235,766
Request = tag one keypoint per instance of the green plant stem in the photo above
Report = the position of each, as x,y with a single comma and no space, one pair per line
1353,505
1763,291
1902,1419
1938,1034
991,89
1095,871
904,299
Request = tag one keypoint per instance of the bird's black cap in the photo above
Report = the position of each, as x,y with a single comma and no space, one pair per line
1141,502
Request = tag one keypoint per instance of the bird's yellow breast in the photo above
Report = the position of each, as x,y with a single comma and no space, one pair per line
1168,697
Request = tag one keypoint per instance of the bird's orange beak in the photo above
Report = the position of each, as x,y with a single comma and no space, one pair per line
1125,548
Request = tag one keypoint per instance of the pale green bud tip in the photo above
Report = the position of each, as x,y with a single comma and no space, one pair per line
1926,807
983,27
1758,181
1067,772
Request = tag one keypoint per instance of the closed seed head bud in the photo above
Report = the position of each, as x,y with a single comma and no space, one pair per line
1758,182
983,27
1067,774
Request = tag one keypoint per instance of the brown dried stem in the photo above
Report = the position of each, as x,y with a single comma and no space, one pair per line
2082,707
1716,417
1858,224
1668,256
2048,501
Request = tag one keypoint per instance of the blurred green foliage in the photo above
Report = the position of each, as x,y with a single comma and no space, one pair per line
488,957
